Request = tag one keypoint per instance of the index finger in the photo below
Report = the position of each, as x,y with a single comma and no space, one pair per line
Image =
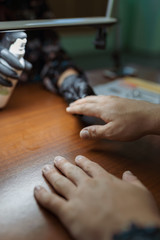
72,172
88,99
91,168
88,109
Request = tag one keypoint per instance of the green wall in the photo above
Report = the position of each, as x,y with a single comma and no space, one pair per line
137,35
140,25
138,29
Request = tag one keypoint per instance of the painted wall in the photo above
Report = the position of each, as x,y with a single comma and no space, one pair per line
139,25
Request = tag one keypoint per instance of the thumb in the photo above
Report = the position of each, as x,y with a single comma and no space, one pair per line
95,131
129,177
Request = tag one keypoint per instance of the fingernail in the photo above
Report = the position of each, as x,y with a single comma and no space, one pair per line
58,159
84,133
38,188
68,109
47,168
130,175
79,158
129,172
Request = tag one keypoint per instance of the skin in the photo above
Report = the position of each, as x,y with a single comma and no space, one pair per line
93,204
65,74
126,119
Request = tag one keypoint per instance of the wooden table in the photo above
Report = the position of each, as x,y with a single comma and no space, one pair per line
34,128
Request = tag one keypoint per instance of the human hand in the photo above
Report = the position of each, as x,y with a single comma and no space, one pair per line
93,204
75,87
125,119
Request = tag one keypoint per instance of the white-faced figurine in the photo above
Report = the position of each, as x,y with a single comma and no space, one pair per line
18,47
12,63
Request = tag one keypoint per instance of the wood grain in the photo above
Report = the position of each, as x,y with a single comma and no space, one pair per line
34,128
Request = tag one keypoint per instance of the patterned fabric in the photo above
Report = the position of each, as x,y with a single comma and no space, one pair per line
138,233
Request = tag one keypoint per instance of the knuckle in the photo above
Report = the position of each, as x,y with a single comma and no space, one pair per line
112,100
109,131
91,165
94,164
98,168
68,167
91,183
88,182
111,97
47,200
58,181
93,132
87,166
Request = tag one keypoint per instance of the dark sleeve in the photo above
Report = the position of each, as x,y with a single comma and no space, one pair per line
139,233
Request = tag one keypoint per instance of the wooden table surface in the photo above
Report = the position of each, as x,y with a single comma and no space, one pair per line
34,128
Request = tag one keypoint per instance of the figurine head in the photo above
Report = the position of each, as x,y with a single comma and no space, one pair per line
15,42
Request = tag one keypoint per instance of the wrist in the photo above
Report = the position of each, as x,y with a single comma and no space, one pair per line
153,119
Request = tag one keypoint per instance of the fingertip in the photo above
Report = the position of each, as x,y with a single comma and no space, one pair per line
47,168
59,159
68,109
128,176
84,133
79,158
37,190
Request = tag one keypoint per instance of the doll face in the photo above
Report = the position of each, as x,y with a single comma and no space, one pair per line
18,47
